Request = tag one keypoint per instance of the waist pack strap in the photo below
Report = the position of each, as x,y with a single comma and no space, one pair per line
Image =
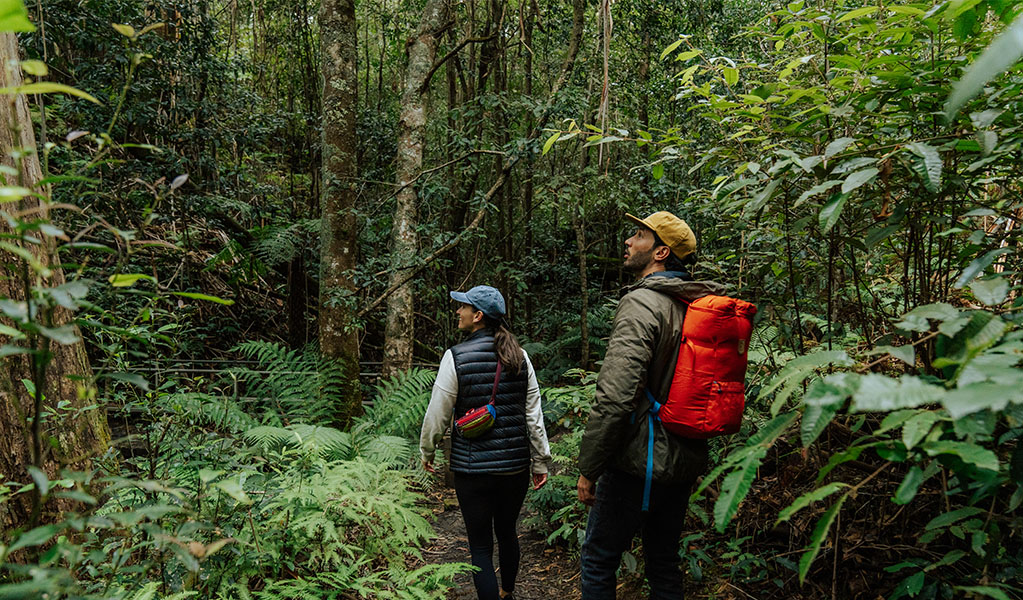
655,408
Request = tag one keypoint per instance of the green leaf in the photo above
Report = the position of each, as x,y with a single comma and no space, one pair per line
946,519
855,14
837,146
815,420
731,76
978,265
35,68
910,485
657,171
928,168
35,537
903,353
980,457
65,334
41,480
735,487
125,30
196,296
1001,54
132,378
763,196
14,17
233,487
13,193
817,189
991,292
550,142
880,393
11,332
671,47
128,279
858,178
817,538
48,87
985,590
808,499
795,371
917,428
832,211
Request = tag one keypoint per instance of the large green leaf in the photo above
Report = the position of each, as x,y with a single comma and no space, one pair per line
980,396
978,265
980,457
928,167
858,178
14,17
809,498
917,428
820,532
991,292
796,370
880,393
35,537
832,211
1003,52
910,485
735,487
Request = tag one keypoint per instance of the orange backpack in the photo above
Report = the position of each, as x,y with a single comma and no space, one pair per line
707,394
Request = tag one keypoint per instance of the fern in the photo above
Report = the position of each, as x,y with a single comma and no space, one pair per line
302,386
202,409
281,243
400,402
325,442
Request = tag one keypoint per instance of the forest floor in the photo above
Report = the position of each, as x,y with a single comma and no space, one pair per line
544,572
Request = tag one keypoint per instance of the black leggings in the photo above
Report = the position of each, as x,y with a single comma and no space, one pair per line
490,504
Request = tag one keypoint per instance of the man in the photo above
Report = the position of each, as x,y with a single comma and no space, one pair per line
641,355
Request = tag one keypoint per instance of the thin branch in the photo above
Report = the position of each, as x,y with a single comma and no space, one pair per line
449,55
448,246
439,167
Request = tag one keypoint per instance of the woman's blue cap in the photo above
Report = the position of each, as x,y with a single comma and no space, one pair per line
484,298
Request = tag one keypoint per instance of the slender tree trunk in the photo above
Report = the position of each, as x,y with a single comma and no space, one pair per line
74,437
527,184
422,51
338,333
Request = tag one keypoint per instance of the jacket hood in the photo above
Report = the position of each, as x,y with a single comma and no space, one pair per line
680,288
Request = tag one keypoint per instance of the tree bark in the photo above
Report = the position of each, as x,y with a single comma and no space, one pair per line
75,436
338,332
422,51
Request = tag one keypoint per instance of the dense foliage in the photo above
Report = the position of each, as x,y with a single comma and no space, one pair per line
812,146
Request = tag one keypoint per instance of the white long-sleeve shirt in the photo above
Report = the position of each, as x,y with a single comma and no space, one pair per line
442,402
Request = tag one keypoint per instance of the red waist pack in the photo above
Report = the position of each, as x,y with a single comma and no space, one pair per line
707,394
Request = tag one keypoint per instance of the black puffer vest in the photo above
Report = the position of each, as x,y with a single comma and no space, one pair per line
505,448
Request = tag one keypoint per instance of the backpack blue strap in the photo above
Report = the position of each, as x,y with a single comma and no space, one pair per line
655,408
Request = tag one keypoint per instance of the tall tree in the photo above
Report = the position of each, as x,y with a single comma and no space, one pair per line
422,51
339,337
60,372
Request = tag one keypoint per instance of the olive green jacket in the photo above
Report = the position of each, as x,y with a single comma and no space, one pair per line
641,352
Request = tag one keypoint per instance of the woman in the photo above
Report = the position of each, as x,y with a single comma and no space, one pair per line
491,471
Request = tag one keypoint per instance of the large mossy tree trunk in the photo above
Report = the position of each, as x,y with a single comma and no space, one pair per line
339,336
70,436
422,51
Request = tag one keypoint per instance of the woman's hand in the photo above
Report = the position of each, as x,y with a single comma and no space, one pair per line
539,480
428,465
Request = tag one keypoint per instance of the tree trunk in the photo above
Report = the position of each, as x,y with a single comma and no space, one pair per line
339,338
422,51
77,435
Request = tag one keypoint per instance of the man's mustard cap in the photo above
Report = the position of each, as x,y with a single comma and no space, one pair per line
673,231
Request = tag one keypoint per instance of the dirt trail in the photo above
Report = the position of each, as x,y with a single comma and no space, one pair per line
544,572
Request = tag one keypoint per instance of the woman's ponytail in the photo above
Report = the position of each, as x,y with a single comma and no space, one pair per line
509,352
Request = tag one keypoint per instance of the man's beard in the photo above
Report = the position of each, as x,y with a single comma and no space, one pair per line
638,261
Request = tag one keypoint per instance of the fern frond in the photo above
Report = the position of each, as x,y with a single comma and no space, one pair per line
400,403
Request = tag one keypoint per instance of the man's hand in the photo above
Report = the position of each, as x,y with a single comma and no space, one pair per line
428,465
587,491
539,480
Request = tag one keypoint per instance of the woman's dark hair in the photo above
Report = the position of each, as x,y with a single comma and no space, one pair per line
509,352
674,263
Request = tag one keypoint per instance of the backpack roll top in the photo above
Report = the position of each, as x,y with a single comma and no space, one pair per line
707,394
